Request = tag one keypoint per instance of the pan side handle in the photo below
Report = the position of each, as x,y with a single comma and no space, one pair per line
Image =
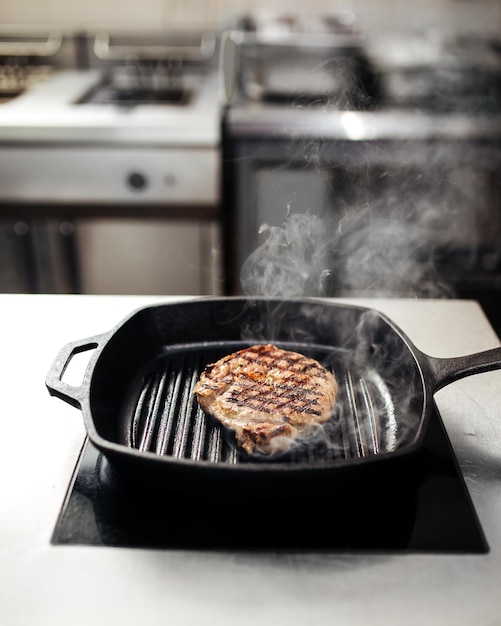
443,371
54,380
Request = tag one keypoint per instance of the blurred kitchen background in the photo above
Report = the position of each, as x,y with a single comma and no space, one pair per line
220,146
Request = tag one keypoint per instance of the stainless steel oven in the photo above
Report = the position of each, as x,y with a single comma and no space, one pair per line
110,177
394,193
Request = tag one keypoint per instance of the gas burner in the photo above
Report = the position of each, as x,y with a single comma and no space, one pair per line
154,70
17,78
136,95
141,84
25,63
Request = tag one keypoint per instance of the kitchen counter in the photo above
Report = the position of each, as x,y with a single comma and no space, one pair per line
41,440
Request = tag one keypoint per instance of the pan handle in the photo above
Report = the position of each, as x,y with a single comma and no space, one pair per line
54,380
443,371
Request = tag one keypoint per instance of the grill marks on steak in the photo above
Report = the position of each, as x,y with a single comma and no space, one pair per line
268,396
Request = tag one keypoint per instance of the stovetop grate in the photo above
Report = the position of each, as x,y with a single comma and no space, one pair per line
131,96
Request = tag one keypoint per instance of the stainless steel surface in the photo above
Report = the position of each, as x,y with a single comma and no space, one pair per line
134,255
19,46
107,174
199,47
401,65
262,120
41,441
51,113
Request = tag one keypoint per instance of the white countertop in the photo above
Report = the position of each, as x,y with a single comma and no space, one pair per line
41,439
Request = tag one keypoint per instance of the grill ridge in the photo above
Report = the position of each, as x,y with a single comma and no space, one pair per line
182,387
371,423
168,421
146,415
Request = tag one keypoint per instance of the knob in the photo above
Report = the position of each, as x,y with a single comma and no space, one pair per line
137,180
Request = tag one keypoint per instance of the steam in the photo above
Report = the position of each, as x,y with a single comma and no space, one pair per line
364,256
393,245
288,263
386,247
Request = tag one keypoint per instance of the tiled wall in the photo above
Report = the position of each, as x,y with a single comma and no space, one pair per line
134,15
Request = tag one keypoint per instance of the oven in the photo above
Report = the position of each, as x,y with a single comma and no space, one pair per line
385,182
110,179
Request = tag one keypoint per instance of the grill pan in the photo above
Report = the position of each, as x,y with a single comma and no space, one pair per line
138,407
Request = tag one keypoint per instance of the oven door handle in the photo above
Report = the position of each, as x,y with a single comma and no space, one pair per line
74,394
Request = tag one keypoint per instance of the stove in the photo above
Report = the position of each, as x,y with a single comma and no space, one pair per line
116,149
433,512
126,96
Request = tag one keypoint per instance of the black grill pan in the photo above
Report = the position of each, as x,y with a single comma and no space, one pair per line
139,410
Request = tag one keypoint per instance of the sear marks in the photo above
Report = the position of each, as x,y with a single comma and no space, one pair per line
268,396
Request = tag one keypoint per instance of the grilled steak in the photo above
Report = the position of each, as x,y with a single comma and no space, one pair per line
268,396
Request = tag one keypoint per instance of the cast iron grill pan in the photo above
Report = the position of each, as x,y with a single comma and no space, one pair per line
139,410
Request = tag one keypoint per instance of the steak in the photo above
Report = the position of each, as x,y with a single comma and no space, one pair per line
269,397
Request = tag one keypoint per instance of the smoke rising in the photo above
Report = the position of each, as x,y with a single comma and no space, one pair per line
288,263
385,236
362,256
